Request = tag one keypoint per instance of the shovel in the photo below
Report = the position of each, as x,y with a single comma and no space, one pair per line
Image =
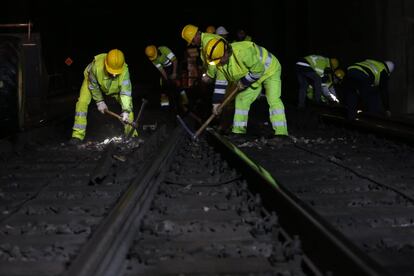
135,123
220,107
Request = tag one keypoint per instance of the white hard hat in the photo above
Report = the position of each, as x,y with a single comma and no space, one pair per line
390,65
221,31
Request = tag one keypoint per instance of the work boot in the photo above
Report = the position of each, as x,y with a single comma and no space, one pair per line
74,141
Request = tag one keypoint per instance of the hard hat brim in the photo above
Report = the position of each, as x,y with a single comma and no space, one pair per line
214,62
114,71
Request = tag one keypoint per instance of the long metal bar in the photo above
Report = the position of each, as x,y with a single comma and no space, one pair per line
185,126
106,249
319,239
20,25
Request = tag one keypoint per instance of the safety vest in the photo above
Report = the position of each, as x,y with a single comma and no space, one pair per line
165,58
249,62
100,82
318,63
375,67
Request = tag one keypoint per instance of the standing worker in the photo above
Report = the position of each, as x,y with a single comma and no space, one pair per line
250,66
108,75
368,81
314,70
166,62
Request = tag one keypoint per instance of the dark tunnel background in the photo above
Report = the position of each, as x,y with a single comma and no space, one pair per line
349,30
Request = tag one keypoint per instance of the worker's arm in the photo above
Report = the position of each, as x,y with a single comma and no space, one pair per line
172,58
255,66
125,93
163,73
220,87
175,65
93,84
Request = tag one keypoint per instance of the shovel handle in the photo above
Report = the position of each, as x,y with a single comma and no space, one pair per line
208,121
113,114
135,123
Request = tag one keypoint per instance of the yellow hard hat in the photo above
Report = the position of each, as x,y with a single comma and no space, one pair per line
189,32
215,50
340,74
151,52
334,63
211,29
115,61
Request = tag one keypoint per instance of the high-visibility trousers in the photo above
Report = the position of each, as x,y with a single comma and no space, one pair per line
81,113
244,99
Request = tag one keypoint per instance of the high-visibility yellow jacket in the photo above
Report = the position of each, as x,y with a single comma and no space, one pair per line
318,63
371,66
99,81
165,58
249,63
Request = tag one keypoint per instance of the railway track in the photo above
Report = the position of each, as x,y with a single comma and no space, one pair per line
359,182
181,207
54,197
205,221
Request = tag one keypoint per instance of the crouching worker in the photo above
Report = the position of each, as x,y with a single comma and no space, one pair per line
107,74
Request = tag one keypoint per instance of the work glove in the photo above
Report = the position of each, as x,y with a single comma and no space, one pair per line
241,86
216,110
125,117
102,106
205,78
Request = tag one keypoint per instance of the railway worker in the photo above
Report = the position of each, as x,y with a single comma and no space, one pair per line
221,31
241,35
195,37
313,70
106,75
250,66
166,62
366,83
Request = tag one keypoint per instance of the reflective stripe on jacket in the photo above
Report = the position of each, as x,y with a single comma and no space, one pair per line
249,63
165,57
100,82
376,68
